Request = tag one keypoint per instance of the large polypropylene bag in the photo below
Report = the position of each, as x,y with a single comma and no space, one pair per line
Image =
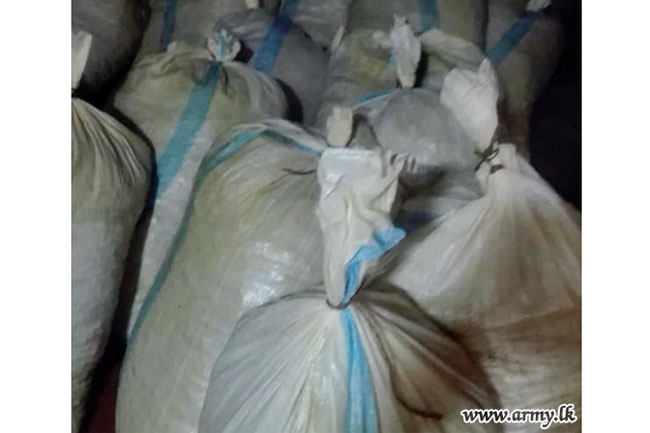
524,44
423,60
368,64
182,101
321,20
359,67
247,237
110,177
503,271
443,52
116,27
436,184
189,21
414,121
463,18
445,193
282,50
340,359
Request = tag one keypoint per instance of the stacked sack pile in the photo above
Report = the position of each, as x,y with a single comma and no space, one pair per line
317,216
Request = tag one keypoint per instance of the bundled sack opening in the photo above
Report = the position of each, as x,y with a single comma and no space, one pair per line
281,49
354,357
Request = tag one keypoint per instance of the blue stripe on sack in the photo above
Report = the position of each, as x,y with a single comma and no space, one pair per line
189,124
222,45
511,38
267,52
383,241
161,276
428,14
410,221
367,97
291,142
289,8
169,24
360,410
225,152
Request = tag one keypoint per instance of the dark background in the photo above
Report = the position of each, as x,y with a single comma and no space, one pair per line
556,129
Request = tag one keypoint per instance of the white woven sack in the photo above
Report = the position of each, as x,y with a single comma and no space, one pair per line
504,270
321,20
247,237
116,27
462,18
345,358
182,100
189,21
111,168
281,49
